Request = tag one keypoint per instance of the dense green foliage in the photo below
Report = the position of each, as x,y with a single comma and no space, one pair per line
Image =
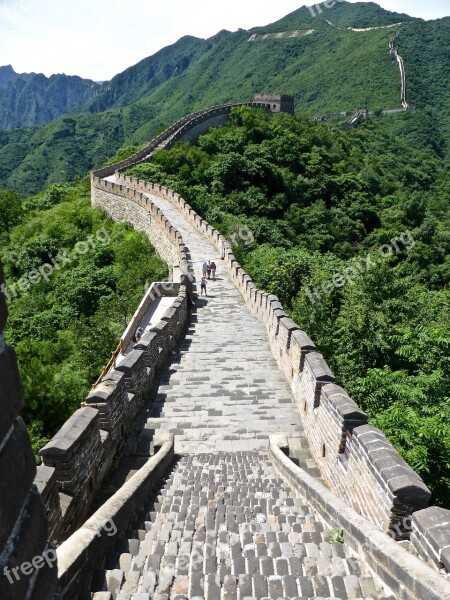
33,99
350,229
65,326
330,70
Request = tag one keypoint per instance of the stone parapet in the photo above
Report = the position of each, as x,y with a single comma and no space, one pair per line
383,488
403,573
85,549
84,448
431,536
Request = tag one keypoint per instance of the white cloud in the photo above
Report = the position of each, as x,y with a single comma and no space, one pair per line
99,38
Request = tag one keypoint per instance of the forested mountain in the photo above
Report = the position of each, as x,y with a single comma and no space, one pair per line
141,79
321,60
34,99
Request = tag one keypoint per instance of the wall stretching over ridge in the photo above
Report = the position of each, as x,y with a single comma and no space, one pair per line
355,459
23,521
182,129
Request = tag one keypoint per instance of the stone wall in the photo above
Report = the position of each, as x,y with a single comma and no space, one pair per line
178,131
24,573
404,574
190,128
276,103
431,536
156,290
356,460
77,459
143,216
86,548
192,134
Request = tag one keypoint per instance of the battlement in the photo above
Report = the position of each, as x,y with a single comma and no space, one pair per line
78,457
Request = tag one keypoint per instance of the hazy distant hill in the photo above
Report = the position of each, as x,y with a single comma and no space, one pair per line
321,60
34,99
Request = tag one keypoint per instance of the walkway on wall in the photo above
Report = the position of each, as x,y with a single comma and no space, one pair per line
223,390
225,525
393,50
154,313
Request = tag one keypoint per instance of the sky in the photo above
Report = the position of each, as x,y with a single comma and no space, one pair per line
97,39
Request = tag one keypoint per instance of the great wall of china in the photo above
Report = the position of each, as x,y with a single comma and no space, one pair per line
253,474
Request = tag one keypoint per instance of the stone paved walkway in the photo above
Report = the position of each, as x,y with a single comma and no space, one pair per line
223,390
227,527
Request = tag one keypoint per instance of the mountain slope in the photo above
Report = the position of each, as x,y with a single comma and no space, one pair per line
34,99
7,75
140,79
328,68
197,60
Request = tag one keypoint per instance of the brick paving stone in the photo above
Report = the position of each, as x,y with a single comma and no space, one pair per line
251,559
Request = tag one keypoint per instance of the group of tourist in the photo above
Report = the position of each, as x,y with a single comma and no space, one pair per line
209,269
208,272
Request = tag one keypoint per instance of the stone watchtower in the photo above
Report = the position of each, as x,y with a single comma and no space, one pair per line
275,103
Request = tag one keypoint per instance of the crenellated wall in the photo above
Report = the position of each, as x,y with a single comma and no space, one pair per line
356,460
77,459
24,572
180,130
133,208
405,575
79,456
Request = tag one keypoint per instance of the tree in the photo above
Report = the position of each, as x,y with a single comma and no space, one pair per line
10,209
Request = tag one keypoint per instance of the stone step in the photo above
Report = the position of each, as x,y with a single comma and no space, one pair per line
227,526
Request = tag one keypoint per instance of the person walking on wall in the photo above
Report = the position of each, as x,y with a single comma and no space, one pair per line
205,269
208,269
203,287
213,270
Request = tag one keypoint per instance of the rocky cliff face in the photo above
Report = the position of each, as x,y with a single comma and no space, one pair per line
34,99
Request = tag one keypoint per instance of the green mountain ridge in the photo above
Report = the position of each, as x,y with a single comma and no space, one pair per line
343,14
34,99
331,70
140,79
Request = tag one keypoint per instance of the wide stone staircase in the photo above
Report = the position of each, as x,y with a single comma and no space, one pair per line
226,526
